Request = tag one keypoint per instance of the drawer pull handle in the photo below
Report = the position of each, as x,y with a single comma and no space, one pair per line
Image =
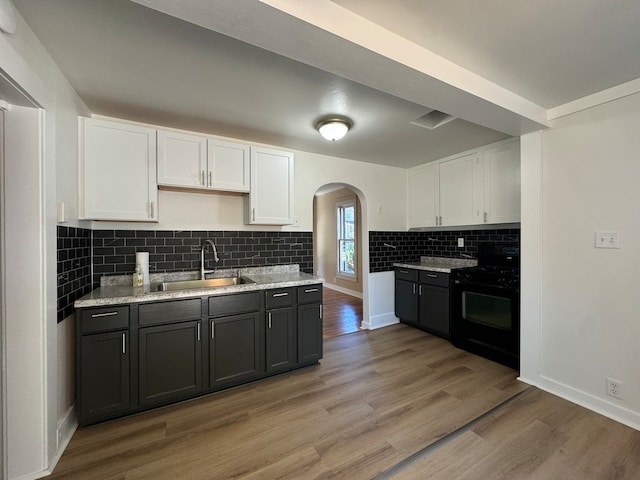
213,330
404,272
280,294
432,275
320,311
124,343
198,331
269,319
309,290
108,314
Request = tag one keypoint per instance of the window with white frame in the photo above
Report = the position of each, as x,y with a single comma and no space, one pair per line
347,238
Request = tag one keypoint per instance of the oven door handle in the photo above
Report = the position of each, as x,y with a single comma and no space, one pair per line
462,284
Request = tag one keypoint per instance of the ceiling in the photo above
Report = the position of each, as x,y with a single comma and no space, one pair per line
266,70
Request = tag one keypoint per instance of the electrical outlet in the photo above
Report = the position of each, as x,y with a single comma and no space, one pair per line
614,388
461,242
609,239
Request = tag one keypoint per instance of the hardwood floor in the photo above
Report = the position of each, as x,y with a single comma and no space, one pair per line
376,398
538,436
342,314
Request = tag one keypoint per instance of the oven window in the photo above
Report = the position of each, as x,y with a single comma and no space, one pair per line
487,310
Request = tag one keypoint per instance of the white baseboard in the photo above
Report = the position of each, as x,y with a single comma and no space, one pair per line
346,291
599,405
66,428
379,321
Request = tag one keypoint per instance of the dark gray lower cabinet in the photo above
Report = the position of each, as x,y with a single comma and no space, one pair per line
280,340
309,333
422,300
406,301
104,376
141,355
234,349
434,309
170,362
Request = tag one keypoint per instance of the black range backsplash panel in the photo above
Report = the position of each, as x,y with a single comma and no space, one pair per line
114,251
74,267
387,248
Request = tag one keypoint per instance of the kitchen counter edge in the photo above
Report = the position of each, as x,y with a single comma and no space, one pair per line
116,295
437,264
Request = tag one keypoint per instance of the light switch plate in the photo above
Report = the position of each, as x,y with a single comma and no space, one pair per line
461,242
607,239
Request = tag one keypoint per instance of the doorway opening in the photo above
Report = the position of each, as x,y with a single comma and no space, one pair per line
338,253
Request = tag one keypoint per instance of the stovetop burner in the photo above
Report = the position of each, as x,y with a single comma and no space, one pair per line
497,265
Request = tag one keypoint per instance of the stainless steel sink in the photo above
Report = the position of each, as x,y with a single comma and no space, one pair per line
209,283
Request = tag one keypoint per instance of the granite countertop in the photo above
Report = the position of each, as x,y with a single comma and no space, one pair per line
116,290
438,264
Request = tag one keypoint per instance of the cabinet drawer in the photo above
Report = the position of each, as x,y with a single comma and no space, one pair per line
310,294
169,312
282,297
104,319
232,304
434,278
407,274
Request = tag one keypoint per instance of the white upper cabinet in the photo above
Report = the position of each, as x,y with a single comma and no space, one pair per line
502,184
229,166
475,188
424,202
117,171
195,161
271,195
461,191
182,159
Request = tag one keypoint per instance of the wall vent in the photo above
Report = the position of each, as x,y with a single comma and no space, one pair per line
433,119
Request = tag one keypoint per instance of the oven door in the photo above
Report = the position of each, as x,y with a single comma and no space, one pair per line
485,319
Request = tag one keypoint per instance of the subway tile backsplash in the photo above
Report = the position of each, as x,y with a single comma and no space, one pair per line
387,248
179,250
112,252
74,267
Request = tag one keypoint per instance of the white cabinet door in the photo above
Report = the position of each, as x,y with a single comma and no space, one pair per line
228,166
502,184
424,196
271,195
182,160
117,171
461,190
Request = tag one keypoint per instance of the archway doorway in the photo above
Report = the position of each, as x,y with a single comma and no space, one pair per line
339,251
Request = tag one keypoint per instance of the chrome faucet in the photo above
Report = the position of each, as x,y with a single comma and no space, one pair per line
215,257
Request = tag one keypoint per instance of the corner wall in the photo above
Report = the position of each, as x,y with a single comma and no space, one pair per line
580,304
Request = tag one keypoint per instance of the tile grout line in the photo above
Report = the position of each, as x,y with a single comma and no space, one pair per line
441,442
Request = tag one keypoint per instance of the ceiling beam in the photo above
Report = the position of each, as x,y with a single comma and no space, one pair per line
329,37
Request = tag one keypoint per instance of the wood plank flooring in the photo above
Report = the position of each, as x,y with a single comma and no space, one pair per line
342,314
376,398
538,436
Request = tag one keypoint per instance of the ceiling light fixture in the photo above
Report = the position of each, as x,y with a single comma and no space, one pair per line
333,128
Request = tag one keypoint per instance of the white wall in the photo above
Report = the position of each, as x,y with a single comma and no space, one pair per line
36,395
580,305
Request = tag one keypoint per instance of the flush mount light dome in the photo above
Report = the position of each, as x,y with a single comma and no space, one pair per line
333,128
